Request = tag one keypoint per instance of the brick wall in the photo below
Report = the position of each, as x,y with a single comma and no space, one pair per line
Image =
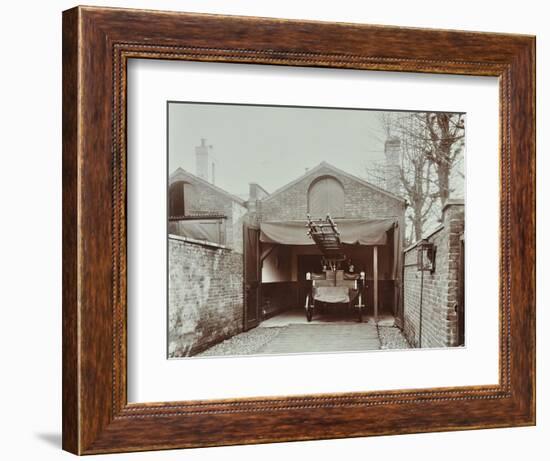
205,295
361,201
440,289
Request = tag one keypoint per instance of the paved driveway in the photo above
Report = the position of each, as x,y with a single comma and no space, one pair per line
290,333
306,338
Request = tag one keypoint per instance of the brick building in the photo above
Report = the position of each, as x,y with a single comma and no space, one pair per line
199,209
349,200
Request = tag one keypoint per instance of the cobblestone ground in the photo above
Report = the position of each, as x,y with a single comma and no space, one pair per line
392,338
247,343
286,338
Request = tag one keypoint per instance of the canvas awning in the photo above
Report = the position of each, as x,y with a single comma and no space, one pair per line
352,231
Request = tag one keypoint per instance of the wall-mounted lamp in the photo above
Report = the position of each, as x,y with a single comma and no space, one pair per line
425,256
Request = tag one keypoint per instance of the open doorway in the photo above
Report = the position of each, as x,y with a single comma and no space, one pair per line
284,267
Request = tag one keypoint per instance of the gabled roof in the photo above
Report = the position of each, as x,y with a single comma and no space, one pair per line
180,172
325,166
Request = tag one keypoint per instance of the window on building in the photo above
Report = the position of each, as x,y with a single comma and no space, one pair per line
181,197
326,196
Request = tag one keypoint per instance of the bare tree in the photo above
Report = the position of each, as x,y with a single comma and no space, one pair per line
431,146
415,171
446,138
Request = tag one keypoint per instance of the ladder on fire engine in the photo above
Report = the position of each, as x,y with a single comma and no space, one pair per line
326,236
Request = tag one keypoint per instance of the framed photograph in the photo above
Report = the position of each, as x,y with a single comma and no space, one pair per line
281,230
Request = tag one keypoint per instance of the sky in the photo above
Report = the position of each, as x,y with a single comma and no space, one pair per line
273,145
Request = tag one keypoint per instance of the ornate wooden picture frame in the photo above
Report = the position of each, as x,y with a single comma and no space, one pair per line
97,44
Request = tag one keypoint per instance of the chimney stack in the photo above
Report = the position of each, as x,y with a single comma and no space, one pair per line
205,162
392,151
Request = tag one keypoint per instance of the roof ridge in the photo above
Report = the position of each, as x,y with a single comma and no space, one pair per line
233,197
340,171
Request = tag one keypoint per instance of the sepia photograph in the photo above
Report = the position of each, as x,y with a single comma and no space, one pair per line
264,230
300,230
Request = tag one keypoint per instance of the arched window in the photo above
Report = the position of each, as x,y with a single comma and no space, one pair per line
326,196
181,196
